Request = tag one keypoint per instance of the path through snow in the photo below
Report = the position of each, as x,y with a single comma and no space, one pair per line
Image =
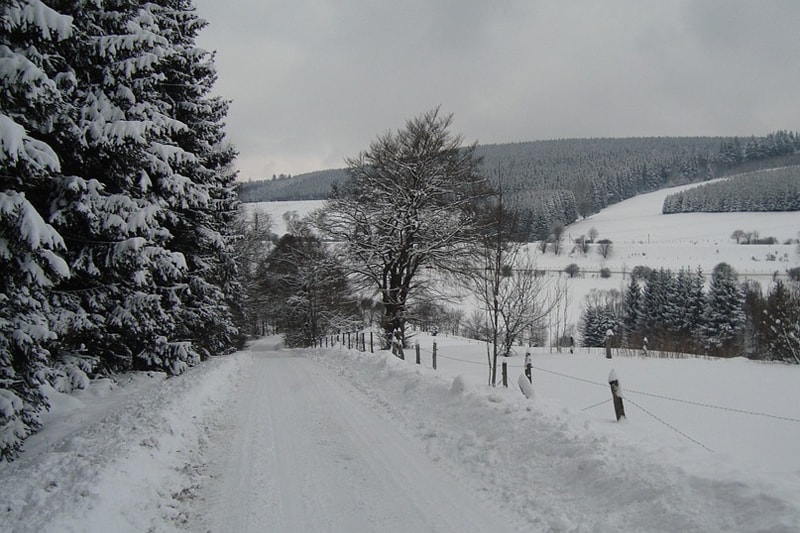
301,453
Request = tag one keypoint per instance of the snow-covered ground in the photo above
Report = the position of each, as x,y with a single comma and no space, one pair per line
277,211
337,440
327,440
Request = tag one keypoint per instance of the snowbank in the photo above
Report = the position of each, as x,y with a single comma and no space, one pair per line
559,469
118,456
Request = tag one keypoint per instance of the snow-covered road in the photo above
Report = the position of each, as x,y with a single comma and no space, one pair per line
301,453
272,439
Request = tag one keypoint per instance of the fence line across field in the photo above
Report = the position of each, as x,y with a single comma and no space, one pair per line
361,346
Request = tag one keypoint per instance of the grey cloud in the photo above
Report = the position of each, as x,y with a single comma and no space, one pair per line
315,81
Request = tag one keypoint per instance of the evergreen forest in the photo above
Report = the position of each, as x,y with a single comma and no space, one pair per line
768,190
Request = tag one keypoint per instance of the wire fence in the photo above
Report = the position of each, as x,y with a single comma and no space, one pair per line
628,392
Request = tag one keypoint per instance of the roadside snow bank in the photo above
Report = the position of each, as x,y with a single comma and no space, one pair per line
545,464
116,456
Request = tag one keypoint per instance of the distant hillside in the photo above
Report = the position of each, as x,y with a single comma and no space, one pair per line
562,180
309,186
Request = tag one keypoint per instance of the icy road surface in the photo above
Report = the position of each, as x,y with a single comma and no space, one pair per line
301,453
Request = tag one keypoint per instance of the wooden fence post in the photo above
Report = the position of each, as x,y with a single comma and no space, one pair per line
505,374
616,394
416,348
363,342
434,355
528,365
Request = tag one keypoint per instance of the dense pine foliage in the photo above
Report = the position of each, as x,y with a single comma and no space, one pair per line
766,190
675,312
116,194
557,181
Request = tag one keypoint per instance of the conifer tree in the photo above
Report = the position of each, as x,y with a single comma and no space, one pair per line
631,310
144,178
781,331
30,261
723,317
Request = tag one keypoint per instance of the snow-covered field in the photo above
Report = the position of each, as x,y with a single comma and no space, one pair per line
641,235
338,440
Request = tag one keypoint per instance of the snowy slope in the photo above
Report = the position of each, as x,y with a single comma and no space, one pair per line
337,440
641,235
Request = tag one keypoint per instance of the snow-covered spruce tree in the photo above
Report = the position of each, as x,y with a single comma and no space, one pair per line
30,265
407,205
595,322
631,309
201,201
781,323
723,316
136,199
30,100
654,307
682,312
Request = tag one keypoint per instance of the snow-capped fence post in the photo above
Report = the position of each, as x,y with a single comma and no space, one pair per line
616,394
416,349
505,374
434,355
609,335
371,345
528,366
397,344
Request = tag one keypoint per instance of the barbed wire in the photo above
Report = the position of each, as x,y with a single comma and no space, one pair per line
570,377
711,406
440,356
673,428
628,391
597,404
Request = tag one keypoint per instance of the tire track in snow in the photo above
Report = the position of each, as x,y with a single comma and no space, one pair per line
297,452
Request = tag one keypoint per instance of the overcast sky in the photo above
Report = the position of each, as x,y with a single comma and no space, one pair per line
314,81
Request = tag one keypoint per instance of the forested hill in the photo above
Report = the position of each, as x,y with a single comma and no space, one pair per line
310,186
765,190
557,181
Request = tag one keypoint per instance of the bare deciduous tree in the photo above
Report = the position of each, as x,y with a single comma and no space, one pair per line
506,283
582,244
408,205
604,247
558,235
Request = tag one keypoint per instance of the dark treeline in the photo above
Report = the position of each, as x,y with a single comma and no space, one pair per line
675,312
557,181
767,190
